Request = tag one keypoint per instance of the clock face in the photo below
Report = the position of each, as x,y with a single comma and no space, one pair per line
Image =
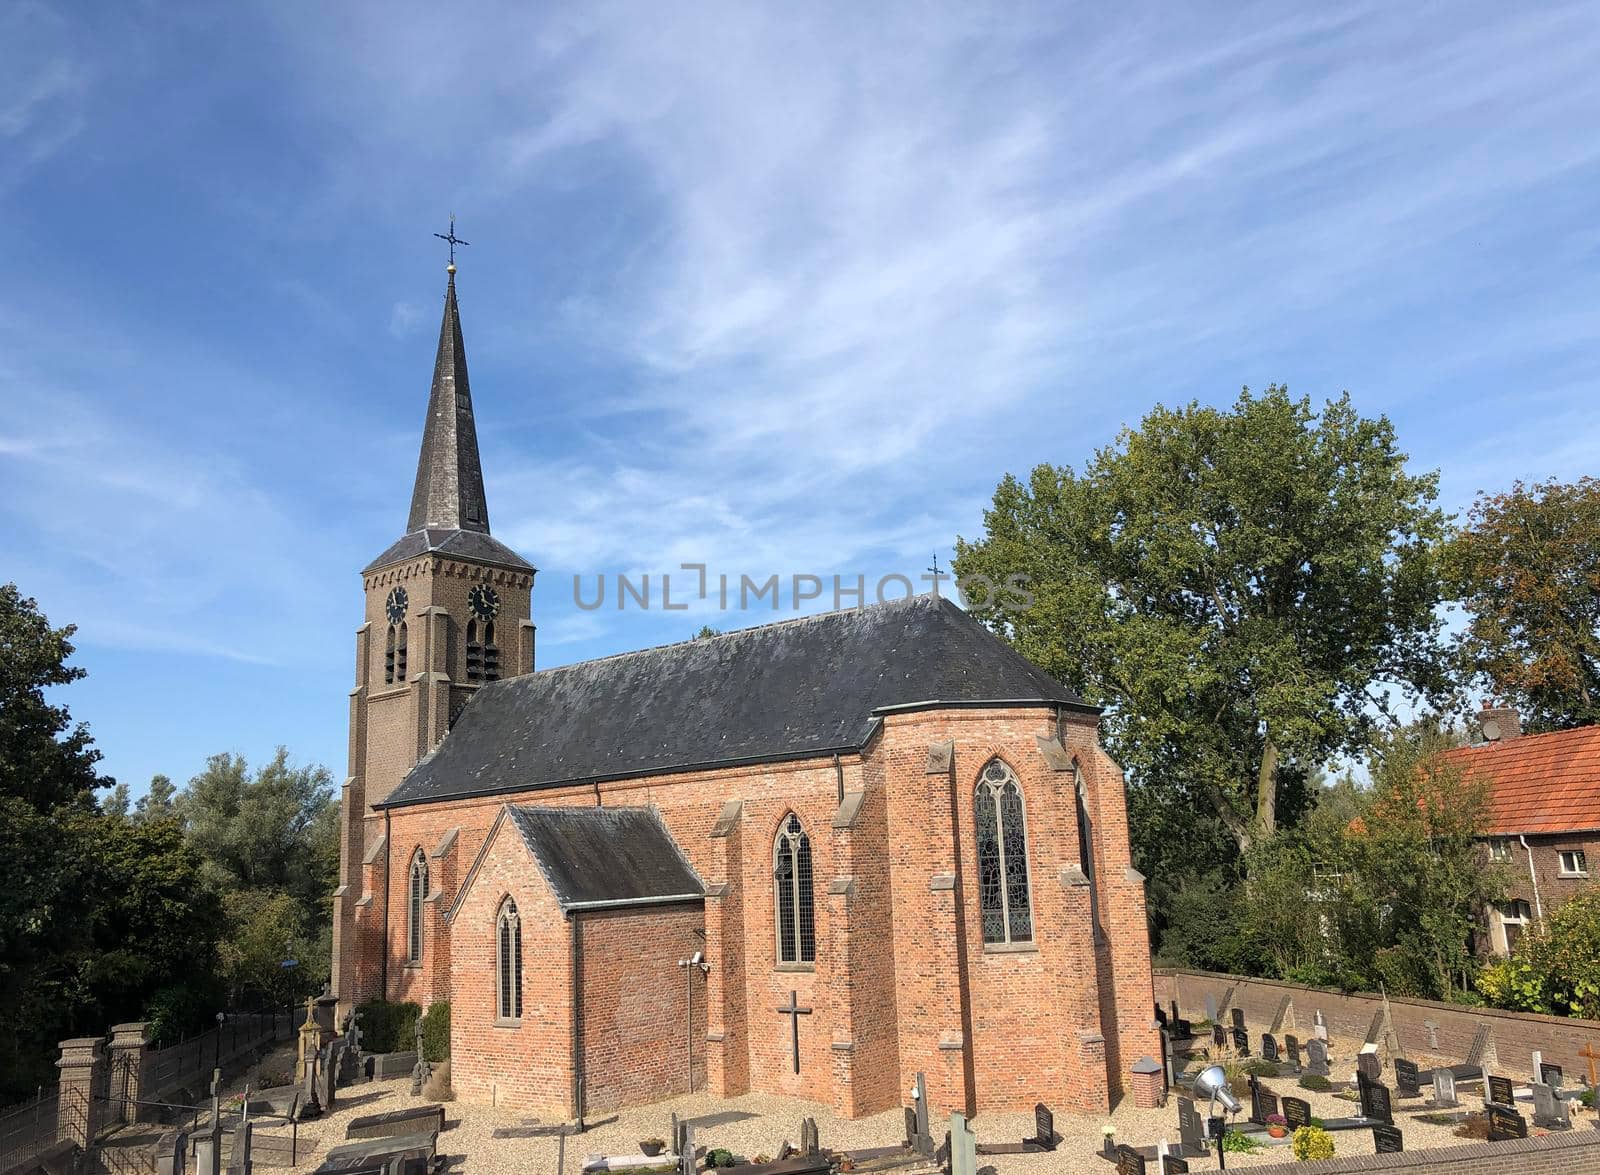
484,601
396,605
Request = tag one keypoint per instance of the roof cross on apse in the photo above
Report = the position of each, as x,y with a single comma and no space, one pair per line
794,1011
452,240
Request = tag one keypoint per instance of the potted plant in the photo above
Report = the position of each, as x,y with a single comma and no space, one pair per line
1277,1125
651,1147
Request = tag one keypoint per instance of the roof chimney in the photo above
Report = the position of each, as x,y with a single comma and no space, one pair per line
1500,724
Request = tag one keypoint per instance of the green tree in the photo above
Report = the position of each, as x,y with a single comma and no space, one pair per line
1241,588
1527,570
1556,968
156,803
265,928
45,761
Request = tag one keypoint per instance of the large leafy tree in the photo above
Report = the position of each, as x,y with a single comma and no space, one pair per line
1527,570
1242,589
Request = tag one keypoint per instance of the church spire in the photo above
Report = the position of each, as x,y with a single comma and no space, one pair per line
449,490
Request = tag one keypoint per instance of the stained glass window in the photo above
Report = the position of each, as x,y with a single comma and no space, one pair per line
1003,901
418,891
508,978
791,873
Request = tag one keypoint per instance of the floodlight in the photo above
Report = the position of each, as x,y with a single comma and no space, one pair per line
1212,1083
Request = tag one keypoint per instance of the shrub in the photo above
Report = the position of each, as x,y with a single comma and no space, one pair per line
721,1157
1261,1067
436,1033
1312,1142
1555,969
1587,1098
387,1027
1313,1082
1238,1142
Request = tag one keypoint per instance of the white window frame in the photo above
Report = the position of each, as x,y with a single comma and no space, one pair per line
1499,849
1580,863
1503,920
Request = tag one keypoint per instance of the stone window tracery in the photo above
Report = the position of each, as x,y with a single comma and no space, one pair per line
1003,898
796,915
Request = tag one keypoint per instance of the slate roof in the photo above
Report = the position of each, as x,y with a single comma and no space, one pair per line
595,857
796,689
1542,783
463,544
449,487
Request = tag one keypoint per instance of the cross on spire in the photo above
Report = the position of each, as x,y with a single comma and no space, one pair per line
453,240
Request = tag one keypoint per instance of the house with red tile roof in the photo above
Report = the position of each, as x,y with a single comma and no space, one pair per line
1545,820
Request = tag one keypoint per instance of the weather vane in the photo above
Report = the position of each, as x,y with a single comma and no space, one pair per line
453,241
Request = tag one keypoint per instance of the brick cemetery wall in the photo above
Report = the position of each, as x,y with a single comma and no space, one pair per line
1577,1153
1516,1035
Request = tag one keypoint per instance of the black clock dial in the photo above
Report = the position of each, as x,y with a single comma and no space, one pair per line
484,601
396,605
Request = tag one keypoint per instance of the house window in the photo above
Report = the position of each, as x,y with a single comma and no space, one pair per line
417,893
1574,863
1514,917
1002,857
508,962
1500,850
791,873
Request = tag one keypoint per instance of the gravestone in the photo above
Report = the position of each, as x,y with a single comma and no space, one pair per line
1550,1074
963,1146
1174,1010
1182,1030
1292,1044
1444,1088
1500,1092
1219,1034
911,1128
1269,1047
1549,1110
1173,1165
1280,1018
919,1102
1317,1057
1296,1112
809,1143
1238,1018
687,1163
1263,1102
328,1074
1505,1123
1241,1042
1044,1127
1368,1065
1211,1007
1320,1028
1375,1100
1406,1078
422,1070
1387,1140
1431,1027
1129,1161
1191,1138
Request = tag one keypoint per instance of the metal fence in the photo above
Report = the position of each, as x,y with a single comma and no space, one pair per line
188,1063
28,1127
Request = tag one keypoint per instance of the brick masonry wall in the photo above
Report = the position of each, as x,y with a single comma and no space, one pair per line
637,1038
1577,1153
1554,887
1515,1034
902,982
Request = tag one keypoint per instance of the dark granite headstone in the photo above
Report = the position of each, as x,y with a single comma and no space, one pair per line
1500,1092
1191,1134
1506,1123
1375,1100
1269,1047
1387,1140
1219,1034
1173,1165
1129,1161
1291,1043
1238,1017
397,1123
1368,1065
1241,1042
1317,1057
1296,1112
1263,1104
1182,1030
1044,1126
1406,1078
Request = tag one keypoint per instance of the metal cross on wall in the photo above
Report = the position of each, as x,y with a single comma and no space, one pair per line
452,239
794,1011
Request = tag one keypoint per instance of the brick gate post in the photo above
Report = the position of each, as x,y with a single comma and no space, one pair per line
129,1057
82,1088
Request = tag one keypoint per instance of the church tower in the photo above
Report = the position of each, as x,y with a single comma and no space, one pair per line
448,608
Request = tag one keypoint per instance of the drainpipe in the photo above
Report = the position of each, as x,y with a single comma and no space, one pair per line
383,974
577,1020
1538,906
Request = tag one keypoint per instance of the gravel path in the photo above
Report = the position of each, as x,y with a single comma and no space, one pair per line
757,1124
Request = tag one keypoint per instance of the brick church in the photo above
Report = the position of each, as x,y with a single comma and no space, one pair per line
808,859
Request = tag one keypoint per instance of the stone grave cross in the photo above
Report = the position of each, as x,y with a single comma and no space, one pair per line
794,1011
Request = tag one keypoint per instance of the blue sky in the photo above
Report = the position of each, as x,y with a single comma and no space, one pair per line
773,288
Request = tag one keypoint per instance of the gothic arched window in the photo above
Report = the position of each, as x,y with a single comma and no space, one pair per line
388,658
415,895
1002,856
791,873
1086,845
508,962
400,653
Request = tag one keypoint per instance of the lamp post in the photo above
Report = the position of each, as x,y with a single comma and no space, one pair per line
689,965
216,1055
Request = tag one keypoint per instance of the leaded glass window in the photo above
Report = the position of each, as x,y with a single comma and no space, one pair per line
508,962
417,892
791,872
1003,901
